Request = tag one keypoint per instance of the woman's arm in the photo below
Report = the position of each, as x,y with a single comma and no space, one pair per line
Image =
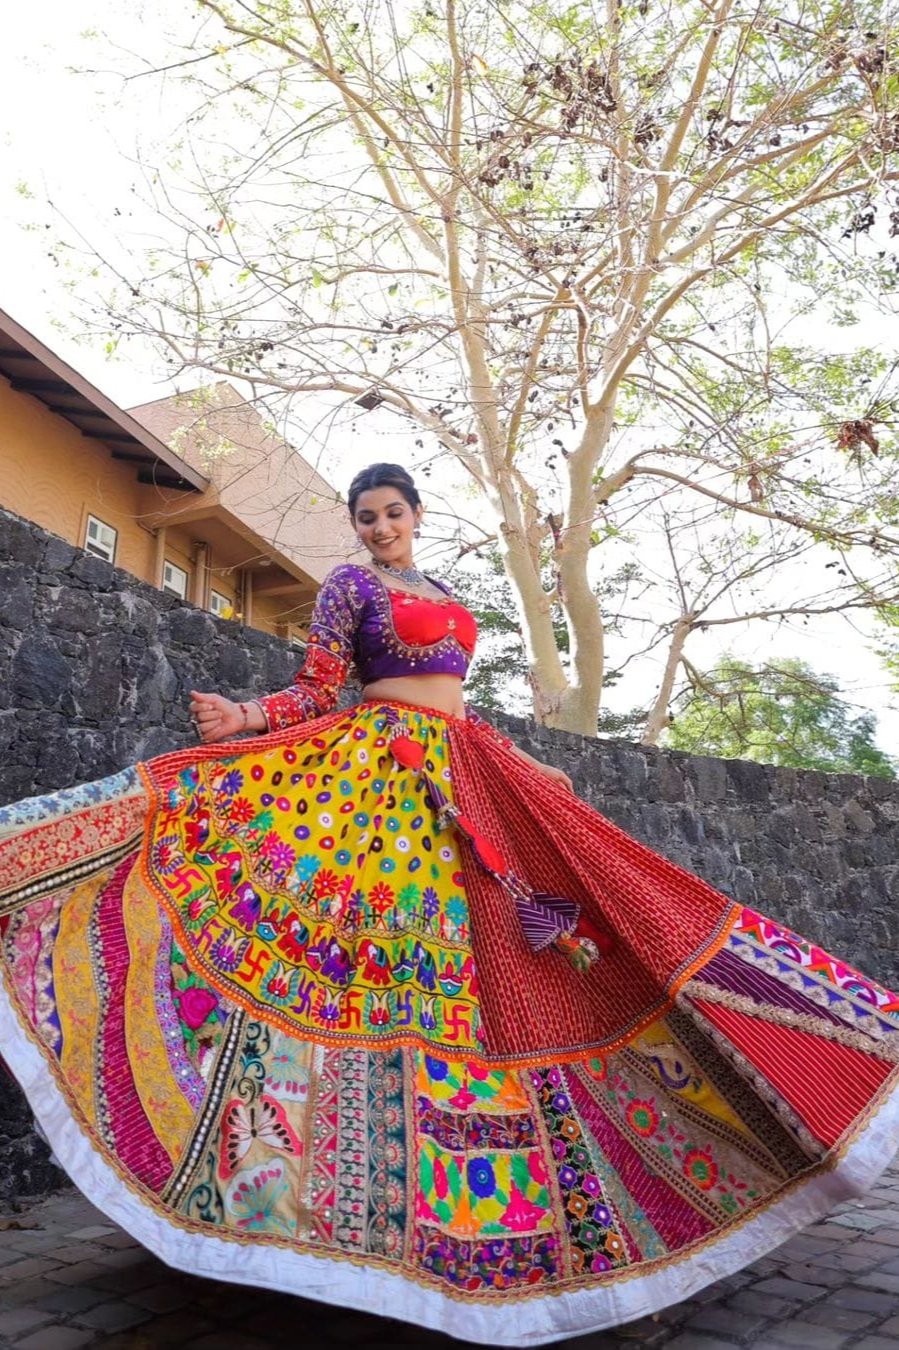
548,769
318,682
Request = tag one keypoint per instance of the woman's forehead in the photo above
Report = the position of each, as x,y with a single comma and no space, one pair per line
375,499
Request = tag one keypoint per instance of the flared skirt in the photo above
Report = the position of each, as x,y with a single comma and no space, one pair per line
277,1019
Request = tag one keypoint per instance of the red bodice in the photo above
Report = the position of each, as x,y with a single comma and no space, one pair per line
421,622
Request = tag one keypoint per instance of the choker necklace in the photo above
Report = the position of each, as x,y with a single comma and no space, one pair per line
411,575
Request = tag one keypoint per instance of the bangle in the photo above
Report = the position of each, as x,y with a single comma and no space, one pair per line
246,715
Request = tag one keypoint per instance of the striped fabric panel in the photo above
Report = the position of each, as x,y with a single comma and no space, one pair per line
825,1083
158,1086
728,971
136,1145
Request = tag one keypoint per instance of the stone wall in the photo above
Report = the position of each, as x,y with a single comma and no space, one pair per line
817,851
95,669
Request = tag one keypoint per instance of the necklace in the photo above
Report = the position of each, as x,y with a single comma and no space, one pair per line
411,575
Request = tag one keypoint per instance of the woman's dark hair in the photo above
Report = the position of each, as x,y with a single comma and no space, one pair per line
383,475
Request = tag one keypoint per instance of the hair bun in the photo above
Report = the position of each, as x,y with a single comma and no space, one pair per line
383,475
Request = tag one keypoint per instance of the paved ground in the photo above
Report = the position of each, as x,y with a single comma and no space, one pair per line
69,1278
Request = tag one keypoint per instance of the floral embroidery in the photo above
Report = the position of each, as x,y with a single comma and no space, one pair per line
319,937
253,1197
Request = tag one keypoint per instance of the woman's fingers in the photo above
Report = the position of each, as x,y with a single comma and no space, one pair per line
207,703
209,713
207,709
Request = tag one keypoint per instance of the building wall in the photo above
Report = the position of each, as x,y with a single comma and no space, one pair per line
50,473
53,475
257,474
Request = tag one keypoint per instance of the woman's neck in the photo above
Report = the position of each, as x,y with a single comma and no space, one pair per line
402,565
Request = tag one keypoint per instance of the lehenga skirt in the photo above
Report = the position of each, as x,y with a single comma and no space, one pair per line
278,1021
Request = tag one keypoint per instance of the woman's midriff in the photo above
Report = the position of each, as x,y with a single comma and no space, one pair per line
443,692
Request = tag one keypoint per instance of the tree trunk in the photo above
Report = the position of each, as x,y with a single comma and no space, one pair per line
583,618
549,682
658,717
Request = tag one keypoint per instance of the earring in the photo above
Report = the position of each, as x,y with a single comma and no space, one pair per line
417,532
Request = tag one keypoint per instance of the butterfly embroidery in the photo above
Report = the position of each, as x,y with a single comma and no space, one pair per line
244,1124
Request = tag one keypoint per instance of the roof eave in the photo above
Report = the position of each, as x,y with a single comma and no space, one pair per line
58,372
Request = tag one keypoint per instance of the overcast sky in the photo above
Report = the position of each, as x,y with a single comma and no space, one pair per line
69,129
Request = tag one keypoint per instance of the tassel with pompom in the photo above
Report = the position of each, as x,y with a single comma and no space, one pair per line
408,754
554,921
581,952
546,920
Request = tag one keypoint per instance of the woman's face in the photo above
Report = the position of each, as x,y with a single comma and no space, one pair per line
385,523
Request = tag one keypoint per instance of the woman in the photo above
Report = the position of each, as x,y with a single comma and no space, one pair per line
373,1009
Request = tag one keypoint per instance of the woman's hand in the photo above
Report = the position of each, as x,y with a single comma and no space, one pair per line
556,774
219,719
549,769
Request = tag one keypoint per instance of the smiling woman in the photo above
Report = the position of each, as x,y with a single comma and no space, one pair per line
375,1010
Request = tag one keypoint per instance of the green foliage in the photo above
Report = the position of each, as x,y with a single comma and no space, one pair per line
889,653
779,712
498,678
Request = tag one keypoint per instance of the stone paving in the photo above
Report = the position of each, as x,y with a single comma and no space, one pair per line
69,1278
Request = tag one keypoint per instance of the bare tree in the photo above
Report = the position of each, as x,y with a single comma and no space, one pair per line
562,244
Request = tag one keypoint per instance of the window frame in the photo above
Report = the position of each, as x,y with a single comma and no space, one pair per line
295,639
94,546
167,565
214,596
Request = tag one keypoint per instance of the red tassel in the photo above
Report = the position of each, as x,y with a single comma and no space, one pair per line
486,853
410,754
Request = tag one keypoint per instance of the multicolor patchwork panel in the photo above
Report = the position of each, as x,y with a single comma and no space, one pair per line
252,979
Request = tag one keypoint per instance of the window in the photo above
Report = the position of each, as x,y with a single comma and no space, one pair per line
221,605
101,539
174,579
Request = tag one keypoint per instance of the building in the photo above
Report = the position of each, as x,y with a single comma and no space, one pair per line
193,493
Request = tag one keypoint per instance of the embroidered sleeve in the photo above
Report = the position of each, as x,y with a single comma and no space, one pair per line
483,725
328,655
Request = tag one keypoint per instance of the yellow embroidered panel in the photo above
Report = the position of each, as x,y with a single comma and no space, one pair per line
311,882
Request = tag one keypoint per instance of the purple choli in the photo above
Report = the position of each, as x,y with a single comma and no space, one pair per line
385,632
